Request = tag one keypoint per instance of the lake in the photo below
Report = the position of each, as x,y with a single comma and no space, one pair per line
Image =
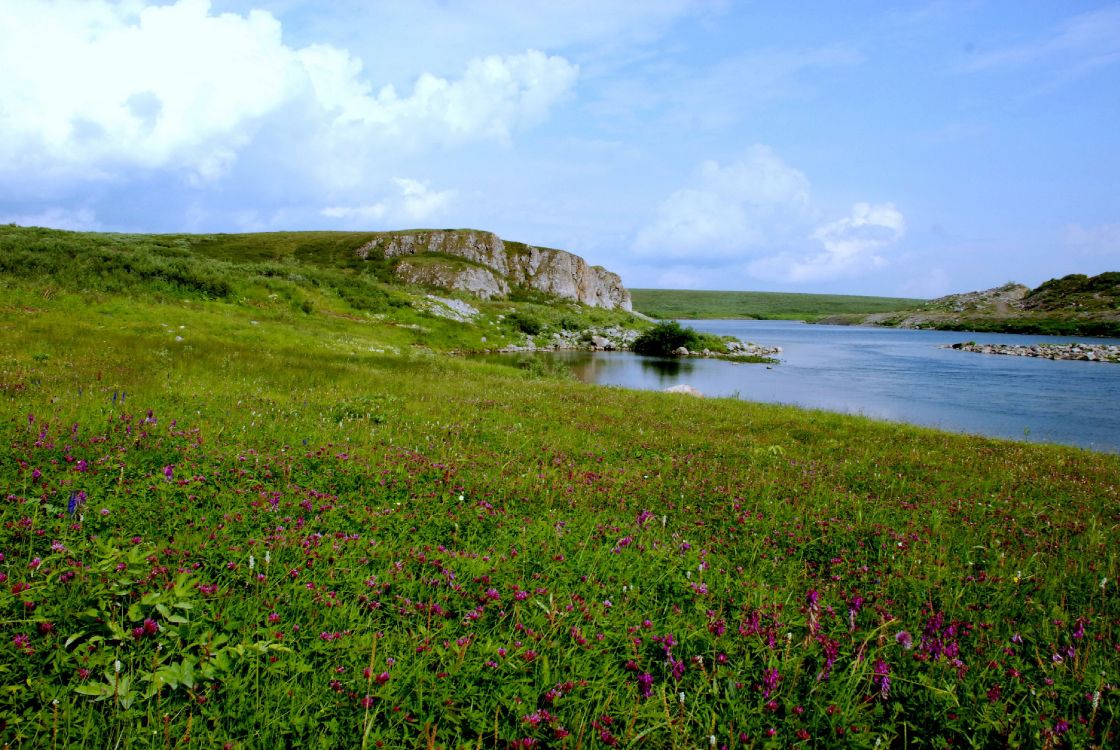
894,374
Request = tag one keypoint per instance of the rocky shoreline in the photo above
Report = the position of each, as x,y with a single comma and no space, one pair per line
1079,352
619,339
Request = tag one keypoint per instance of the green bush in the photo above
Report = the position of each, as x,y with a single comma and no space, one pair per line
526,323
665,338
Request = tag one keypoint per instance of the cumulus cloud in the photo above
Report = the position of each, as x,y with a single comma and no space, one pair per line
755,217
727,209
414,202
849,246
92,87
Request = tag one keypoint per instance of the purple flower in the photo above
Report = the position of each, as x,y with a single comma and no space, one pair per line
169,471
645,684
1061,727
770,679
904,639
881,679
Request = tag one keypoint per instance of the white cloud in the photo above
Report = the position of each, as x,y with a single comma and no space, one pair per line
415,202
728,209
850,246
79,220
754,217
91,87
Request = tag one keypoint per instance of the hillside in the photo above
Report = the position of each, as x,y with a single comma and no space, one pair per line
358,275
1074,305
696,304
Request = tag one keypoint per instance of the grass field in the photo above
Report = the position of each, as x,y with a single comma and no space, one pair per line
696,305
229,522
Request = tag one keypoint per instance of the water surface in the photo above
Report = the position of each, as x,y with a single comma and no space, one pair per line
894,374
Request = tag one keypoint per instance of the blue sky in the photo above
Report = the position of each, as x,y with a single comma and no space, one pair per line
859,147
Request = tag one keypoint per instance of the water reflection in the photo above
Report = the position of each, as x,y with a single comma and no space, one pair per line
667,369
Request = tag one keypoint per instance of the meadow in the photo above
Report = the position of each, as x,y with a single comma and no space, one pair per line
699,304
231,522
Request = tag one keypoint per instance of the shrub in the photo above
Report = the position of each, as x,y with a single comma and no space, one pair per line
665,338
525,323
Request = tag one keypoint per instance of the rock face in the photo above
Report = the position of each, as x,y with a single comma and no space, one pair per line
483,264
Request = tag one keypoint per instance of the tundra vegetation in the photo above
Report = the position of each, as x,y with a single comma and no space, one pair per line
232,521
694,304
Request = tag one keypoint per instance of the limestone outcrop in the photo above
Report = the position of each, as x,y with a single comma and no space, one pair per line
483,264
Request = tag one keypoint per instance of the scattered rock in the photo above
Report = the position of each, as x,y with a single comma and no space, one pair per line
1082,352
688,390
681,351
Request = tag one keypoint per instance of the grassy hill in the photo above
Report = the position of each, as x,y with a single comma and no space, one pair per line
309,277
693,304
1074,305
233,521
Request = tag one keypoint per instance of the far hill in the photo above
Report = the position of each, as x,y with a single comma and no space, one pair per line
1074,305
683,304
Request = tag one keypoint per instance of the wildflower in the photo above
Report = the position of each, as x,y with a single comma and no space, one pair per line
904,639
645,684
770,679
1061,727
75,502
881,679
169,471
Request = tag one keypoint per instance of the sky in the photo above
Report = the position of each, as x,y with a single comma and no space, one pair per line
901,149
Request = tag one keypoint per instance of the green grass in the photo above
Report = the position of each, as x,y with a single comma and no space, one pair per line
695,305
228,522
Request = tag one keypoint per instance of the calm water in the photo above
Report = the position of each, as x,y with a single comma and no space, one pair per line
894,374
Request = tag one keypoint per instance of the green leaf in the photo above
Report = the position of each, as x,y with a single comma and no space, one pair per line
99,690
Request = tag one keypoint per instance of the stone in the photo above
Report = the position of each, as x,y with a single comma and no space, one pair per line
601,343
687,390
681,351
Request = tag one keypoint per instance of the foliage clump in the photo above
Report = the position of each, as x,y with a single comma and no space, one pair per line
666,337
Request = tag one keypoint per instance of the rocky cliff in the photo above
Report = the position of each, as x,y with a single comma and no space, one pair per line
482,264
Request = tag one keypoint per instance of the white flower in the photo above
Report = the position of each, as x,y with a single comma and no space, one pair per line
117,666
681,696
252,562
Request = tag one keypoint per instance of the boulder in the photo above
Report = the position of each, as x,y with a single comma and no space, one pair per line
681,351
688,390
